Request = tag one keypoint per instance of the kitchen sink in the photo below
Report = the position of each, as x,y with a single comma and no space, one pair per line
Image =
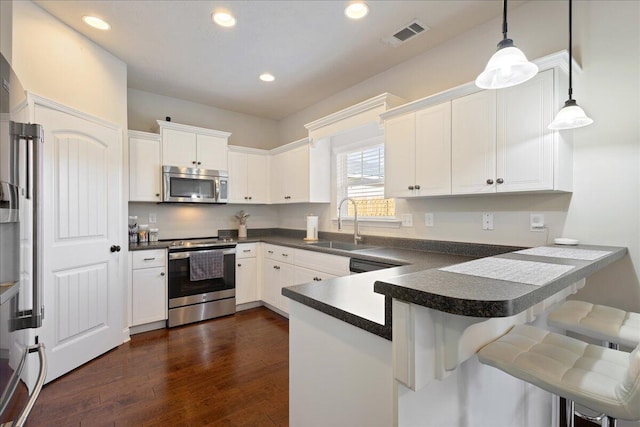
343,246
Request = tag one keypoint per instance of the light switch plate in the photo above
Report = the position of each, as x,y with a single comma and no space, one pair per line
152,218
487,221
536,222
407,220
428,220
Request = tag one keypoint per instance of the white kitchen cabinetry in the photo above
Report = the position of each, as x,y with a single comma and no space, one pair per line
247,273
418,153
473,145
285,266
145,167
499,140
301,172
193,147
148,286
248,175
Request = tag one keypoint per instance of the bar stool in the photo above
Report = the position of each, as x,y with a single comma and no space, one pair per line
614,327
599,378
611,325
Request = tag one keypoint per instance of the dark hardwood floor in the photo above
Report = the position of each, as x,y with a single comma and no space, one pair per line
231,371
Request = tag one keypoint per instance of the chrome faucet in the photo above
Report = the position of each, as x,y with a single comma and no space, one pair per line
356,236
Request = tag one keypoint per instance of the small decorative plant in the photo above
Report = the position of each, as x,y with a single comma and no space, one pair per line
242,217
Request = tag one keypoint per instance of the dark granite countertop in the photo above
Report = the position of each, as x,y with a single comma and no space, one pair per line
485,297
364,300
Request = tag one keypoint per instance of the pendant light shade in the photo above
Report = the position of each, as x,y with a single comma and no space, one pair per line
571,116
508,66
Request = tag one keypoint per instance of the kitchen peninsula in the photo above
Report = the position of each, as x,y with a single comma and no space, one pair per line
425,373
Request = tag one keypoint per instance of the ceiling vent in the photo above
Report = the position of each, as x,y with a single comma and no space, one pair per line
406,33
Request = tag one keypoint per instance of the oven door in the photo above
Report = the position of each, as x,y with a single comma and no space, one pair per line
183,291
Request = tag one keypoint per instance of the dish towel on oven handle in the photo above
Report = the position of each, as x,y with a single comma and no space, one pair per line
205,265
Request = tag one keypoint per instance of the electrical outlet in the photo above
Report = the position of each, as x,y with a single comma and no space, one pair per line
407,220
152,218
536,222
428,220
487,221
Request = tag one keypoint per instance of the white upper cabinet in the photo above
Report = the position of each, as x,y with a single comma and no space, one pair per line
473,143
248,176
499,140
525,145
193,147
145,167
418,153
301,172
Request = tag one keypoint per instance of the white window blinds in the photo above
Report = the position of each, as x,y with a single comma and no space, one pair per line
360,175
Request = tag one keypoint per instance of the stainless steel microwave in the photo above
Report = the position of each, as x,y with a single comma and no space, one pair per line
191,185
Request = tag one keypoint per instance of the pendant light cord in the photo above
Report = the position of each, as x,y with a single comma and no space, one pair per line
570,51
504,21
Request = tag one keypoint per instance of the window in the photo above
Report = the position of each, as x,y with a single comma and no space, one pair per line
360,175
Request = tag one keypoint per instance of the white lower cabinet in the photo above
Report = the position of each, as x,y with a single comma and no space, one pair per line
285,266
247,273
148,286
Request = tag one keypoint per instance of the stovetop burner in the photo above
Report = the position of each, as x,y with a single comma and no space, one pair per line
201,243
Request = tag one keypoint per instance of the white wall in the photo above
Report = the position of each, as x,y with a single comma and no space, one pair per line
604,206
184,221
56,62
6,28
246,130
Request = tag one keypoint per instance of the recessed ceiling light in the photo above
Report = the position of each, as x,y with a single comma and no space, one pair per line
267,77
356,10
224,19
96,22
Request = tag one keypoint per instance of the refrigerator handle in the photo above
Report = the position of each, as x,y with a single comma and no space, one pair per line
34,135
42,373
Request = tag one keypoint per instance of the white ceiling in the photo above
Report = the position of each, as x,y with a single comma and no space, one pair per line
172,48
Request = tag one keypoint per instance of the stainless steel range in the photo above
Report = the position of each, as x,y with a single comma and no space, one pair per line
202,280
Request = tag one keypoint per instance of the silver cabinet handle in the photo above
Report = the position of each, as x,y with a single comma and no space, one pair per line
411,187
500,181
417,186
285,255
489,181
270,252
239,265
149,259
246,250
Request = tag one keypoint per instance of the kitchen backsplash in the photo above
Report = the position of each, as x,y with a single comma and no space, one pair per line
179,221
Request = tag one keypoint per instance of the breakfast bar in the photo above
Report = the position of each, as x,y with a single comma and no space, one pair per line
439,316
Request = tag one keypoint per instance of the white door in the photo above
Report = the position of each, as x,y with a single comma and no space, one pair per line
83,280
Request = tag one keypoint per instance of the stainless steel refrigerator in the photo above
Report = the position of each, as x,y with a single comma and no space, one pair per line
20,259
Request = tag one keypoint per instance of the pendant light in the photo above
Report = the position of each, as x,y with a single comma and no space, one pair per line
508,66
571,116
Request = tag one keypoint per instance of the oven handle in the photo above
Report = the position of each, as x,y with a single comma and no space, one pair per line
183,255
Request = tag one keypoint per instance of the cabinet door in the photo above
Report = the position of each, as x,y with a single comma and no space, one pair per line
179,148
149,296
297,175
238,177
473,143
246,280
278,178
306,275
525,144
271,282
286,272
212,152
433,150
399,156
257,178
145,169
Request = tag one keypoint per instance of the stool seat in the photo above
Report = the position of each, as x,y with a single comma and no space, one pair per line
599,378
598,321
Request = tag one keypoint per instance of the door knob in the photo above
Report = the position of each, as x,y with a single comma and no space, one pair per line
114,248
